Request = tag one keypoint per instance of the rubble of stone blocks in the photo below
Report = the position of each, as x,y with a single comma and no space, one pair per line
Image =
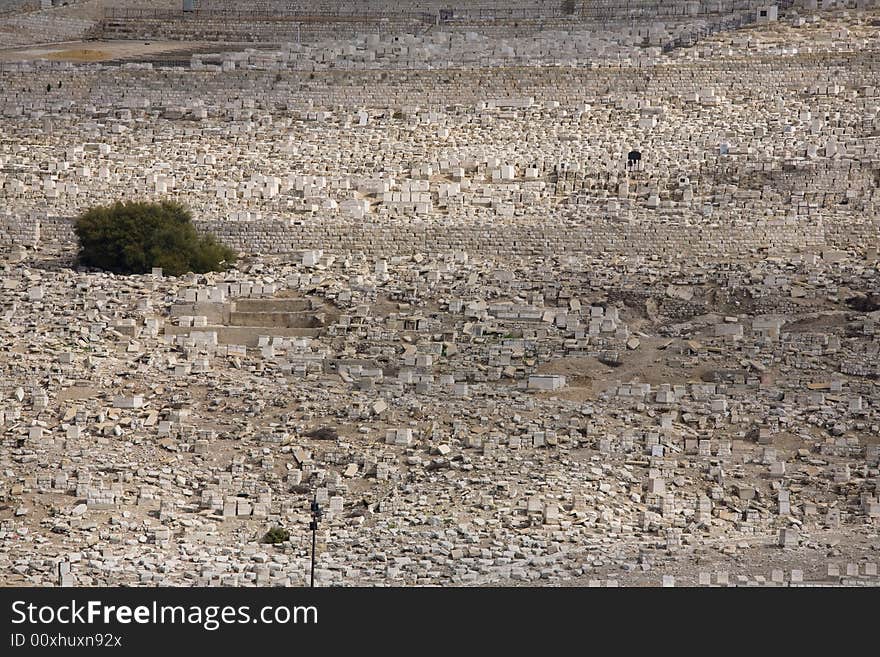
493,350
278,151
462,410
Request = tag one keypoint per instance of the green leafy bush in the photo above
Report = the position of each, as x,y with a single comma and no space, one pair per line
276,535
133,237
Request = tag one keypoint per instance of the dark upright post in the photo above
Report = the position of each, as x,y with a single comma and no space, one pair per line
316,516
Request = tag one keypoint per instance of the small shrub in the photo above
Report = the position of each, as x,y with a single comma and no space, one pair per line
133,237
323,433
276,535
864,303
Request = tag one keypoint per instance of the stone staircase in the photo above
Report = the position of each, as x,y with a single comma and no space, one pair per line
242,321
275,313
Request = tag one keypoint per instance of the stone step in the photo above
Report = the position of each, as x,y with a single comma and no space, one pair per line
275,319
244,335
271,305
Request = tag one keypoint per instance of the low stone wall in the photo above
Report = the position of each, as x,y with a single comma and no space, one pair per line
268,30
20,231
594,236
18,5
600,235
